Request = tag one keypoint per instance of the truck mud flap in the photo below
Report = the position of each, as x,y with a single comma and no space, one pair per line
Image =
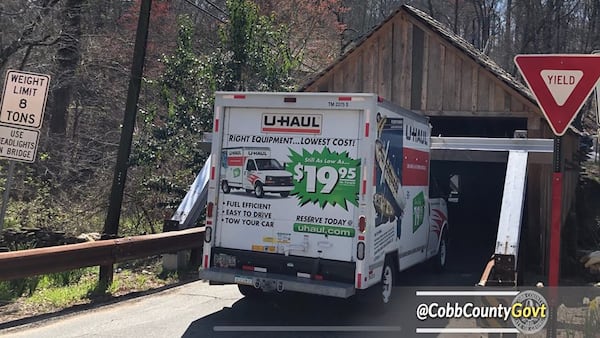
277,282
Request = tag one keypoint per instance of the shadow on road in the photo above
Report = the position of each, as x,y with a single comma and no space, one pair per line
294,315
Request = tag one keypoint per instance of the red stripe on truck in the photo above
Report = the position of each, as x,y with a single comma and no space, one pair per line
415,167
235,160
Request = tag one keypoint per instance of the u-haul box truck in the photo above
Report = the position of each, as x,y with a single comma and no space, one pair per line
254,170
358,209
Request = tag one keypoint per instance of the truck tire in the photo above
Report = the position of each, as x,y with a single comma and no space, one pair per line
441,258
250,291
388,279
284,193
225,187
258,190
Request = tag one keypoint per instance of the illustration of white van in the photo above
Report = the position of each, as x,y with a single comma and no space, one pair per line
253,169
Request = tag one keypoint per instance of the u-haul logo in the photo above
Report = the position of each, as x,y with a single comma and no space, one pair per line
291,123
416,134
257,153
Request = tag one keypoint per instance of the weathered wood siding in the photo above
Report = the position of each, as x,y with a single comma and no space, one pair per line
415,68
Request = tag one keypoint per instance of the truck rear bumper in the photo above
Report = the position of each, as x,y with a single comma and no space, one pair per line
278,282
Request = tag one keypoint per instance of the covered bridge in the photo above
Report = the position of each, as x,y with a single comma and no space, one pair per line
417,63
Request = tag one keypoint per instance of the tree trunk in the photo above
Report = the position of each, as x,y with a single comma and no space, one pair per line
595,25
548,30
508,40
430,8
455,25
67,55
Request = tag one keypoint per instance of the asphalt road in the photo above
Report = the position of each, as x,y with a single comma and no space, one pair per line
199,310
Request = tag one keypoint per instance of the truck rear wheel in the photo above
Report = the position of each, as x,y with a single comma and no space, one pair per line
250,291
439,261
258,190
388,279
225,187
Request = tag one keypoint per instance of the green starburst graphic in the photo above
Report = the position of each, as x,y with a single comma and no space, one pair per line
324,177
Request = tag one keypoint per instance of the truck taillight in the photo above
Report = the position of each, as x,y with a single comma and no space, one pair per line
209,209
360,250
207,234
362,223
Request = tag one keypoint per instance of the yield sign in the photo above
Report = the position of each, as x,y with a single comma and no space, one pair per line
560,83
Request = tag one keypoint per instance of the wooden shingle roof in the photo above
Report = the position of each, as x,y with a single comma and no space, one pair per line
449,36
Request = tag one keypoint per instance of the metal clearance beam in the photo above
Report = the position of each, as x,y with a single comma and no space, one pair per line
504,260
513,199
478,149
190,209
492,144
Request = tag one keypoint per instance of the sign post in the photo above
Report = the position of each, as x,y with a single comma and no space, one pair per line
596,145
560,84
21,115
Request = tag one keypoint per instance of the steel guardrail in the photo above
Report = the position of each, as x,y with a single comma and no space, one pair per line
33,262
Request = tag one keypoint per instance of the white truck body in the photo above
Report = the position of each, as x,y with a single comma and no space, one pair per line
359,170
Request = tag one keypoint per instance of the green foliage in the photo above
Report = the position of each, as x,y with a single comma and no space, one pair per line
39,202
167,151
63,292
9,290
6,292
16,288
169,275
39,211
255,55
16,245
67,277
